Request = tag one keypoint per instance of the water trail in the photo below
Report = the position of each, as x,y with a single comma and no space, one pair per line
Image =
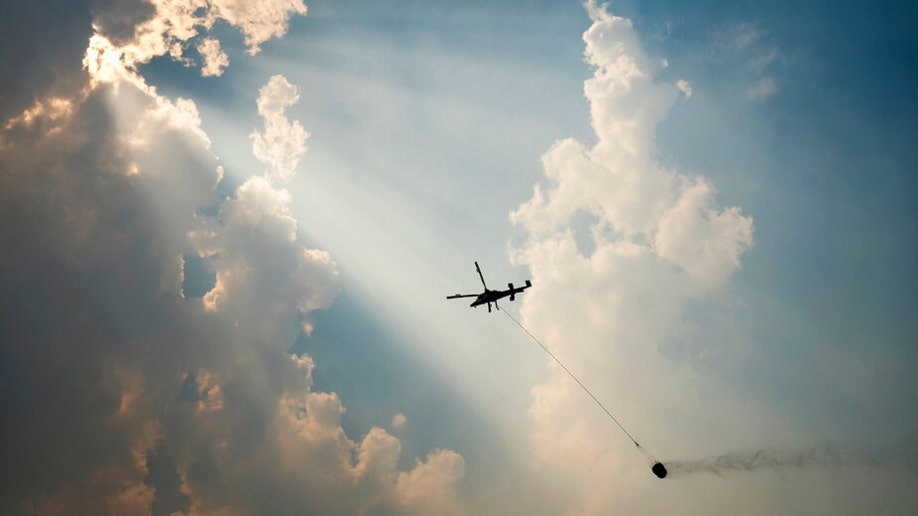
830,455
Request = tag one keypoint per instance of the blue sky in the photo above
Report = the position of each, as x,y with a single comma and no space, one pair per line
715,204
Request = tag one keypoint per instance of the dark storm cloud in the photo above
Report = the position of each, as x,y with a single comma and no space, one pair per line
96,337
42,44
108,372
83,305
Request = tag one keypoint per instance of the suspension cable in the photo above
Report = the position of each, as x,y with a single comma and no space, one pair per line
568,371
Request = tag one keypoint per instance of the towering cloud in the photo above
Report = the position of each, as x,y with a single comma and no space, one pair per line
617,245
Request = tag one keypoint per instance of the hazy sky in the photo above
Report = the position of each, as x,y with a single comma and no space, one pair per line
228,230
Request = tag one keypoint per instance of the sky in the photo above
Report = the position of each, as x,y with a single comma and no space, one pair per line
229,230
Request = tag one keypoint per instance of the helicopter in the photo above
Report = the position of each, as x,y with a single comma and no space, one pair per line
491,296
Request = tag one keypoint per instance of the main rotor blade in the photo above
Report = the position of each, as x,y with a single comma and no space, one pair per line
480,275
456,296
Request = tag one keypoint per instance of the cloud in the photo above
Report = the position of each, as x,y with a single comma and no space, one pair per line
637,207
744,35
764,87
40,50
145,30
78,296
428,487
282,143
260,21
705,243
658,240
757,60
215,59
103,192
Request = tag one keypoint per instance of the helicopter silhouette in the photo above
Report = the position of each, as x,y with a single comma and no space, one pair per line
491,296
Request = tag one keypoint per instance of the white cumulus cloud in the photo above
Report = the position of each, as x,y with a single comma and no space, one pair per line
282,143
215,59
659,240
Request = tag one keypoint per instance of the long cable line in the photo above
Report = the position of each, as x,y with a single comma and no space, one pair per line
568,371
